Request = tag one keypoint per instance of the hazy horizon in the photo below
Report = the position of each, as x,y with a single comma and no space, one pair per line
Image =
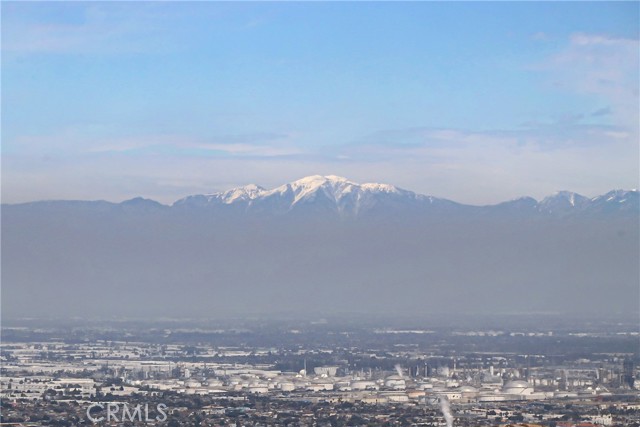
195,261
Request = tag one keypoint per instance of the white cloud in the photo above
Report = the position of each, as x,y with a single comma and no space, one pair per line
82,141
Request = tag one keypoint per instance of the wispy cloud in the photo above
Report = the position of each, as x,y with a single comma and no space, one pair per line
540,36
25,34
88,28
605,111
603,66
251,144
570,131
81,142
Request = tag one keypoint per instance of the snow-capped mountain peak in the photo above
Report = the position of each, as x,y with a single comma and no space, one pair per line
617,195
572,198
383,188
331,192
625,200
335,188
562,201
248,192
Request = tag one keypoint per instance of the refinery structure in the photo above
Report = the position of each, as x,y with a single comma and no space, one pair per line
30,379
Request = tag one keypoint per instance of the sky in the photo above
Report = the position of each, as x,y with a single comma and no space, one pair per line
476,102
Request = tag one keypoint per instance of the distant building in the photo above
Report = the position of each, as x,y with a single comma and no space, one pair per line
628,370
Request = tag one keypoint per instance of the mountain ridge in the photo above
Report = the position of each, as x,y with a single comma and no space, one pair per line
345,198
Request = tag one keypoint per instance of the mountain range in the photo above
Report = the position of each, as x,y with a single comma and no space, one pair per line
336,196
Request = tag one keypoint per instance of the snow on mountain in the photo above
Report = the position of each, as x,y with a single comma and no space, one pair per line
322,193
246,193
617,196
563,202
616,200
336,188
332,196
235,195
338,195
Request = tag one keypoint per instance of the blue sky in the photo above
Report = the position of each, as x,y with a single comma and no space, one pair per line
477,102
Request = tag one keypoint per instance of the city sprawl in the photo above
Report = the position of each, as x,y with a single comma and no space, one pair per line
322,372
